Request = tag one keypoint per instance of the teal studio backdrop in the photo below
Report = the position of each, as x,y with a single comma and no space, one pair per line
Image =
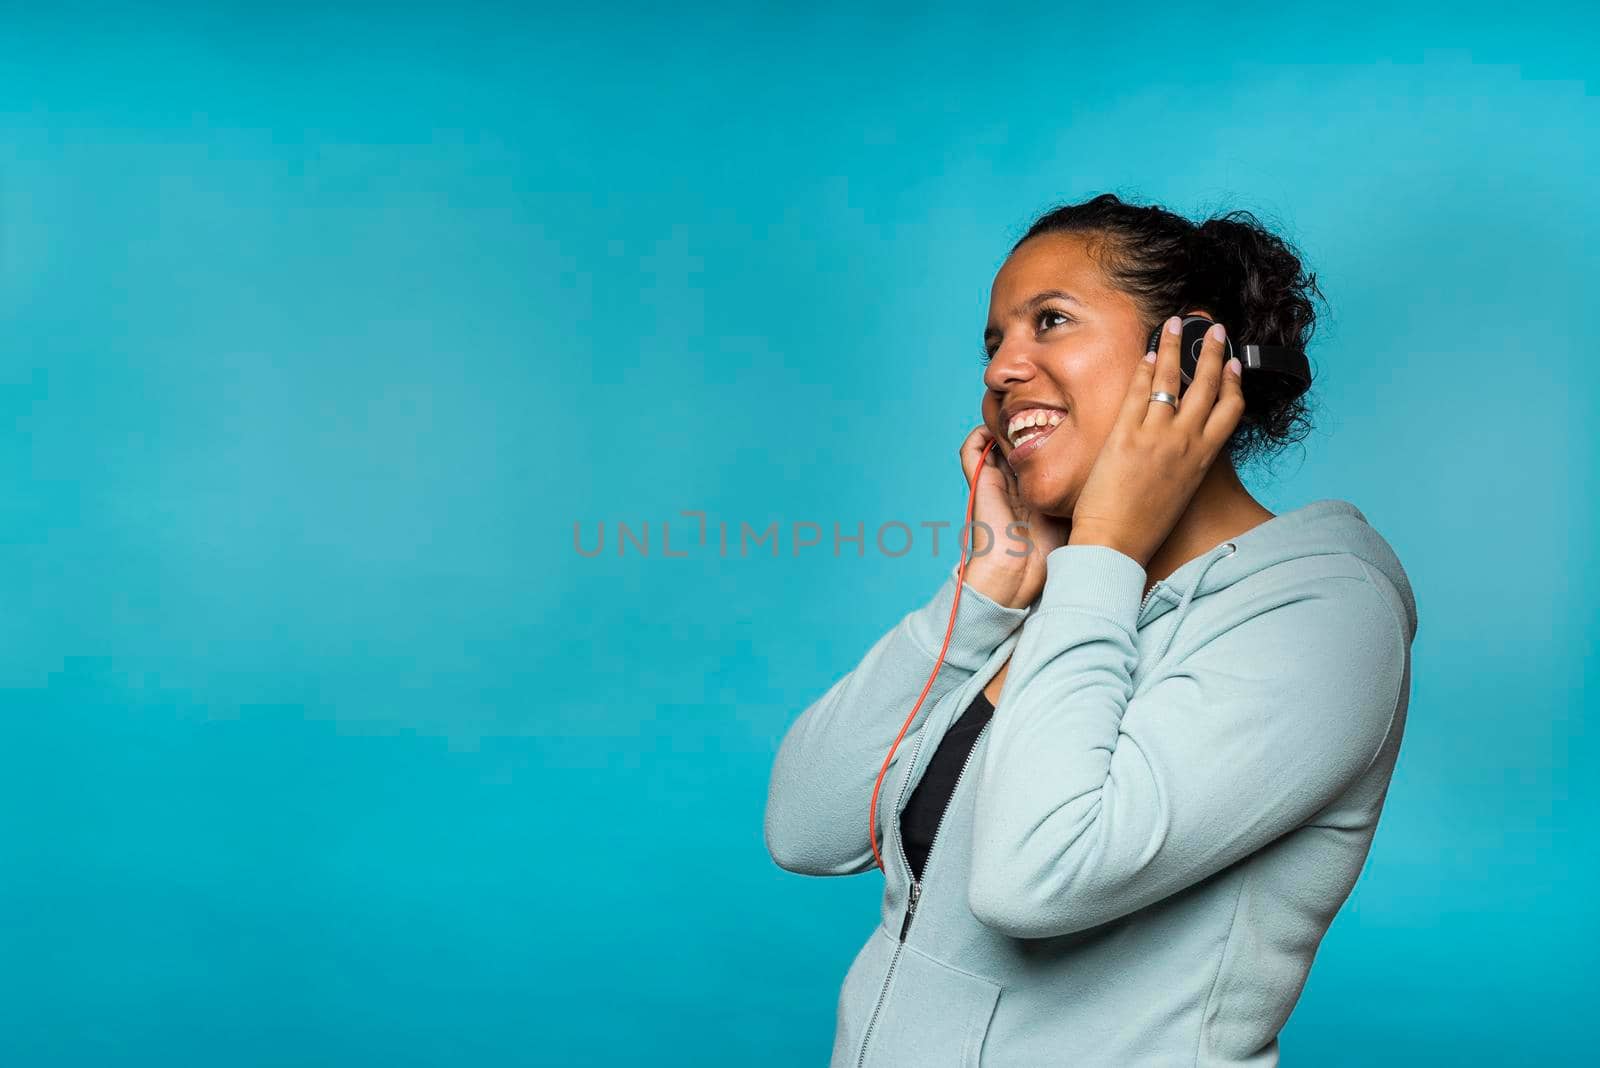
328,328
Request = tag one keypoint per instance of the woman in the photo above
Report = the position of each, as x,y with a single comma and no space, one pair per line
1149,770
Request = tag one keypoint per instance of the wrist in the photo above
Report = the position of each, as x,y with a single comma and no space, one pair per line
1090,536
1001,587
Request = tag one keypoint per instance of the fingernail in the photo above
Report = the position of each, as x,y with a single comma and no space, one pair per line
1233,366
1217,332
1174,325
1149,357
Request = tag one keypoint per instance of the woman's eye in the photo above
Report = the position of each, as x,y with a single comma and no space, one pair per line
1044,323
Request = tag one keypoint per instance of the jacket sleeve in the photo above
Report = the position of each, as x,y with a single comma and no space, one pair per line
1091,803
821,785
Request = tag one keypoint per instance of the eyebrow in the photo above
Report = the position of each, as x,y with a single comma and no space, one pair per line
992,334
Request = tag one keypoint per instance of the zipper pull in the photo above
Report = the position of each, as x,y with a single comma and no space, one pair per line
911,908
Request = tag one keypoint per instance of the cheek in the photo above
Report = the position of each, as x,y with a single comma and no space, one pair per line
1098,413
1075,445
1093,381
989,410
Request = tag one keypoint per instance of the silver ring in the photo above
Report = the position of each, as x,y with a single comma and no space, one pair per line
1165,398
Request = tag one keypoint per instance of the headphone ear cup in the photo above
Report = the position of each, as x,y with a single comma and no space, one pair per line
1189,343
1193,339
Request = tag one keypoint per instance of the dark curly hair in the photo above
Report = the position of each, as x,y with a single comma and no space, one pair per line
1245,275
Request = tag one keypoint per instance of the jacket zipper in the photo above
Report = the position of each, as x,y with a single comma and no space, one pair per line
1144,603
862,1058
888,975
916,884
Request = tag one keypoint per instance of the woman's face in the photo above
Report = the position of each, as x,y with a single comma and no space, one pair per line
1064,345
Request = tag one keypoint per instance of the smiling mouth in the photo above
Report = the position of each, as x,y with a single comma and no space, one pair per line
1030,434
1032,424
1035,422
1028,430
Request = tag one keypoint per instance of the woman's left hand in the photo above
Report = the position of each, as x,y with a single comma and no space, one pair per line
1155,458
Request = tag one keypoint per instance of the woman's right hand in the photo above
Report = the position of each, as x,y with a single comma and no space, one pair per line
1012,569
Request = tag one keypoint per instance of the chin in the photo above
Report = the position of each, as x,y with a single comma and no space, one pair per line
1051,500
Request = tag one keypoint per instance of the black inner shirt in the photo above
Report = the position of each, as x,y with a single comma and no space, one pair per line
923,811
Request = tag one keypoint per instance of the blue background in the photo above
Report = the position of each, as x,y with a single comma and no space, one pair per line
324,328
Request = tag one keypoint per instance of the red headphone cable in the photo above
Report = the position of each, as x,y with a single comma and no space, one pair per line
961,574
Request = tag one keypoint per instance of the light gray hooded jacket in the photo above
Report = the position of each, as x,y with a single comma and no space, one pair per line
1155,829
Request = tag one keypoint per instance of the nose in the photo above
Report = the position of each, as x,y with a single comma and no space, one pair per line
1012,364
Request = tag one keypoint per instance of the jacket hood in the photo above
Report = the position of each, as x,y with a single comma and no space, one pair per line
1321,527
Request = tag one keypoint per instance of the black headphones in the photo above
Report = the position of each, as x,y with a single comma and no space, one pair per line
1268,372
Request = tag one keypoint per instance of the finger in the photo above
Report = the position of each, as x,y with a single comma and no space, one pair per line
967,454
1137,398
1008,473
1201,394
1168,375
972,450
1229,408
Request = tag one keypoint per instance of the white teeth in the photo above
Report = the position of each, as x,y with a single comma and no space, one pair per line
1032,418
